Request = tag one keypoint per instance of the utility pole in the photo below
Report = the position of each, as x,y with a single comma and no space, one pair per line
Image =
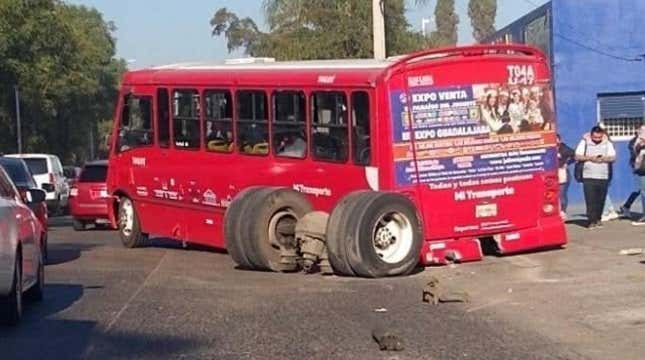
18,126
91,142
378,29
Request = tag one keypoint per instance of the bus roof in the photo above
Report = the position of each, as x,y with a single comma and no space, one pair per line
328,73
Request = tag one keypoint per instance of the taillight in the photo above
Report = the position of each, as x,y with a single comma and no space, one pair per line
73,192
550,200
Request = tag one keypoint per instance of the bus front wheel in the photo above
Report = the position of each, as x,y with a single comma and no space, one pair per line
129,226
374,234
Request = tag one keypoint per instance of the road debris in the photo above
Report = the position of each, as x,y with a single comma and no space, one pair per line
632,251
433,293
380,310
387,341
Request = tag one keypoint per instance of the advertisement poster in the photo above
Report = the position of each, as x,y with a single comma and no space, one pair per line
473,134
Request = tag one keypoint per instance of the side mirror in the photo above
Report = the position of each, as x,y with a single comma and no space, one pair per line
34,196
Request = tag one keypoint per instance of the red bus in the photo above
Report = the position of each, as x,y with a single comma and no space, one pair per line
374,166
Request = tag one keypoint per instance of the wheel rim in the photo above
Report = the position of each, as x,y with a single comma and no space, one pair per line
392,237
278,220
126,218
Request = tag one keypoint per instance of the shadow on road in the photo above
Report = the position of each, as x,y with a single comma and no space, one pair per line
62,253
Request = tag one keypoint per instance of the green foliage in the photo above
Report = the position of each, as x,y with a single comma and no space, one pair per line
62,59
446,20
482,17
317,29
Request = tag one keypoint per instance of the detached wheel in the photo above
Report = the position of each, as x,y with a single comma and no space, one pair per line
129,226
79,225
373,234
11,305
235,220
269,221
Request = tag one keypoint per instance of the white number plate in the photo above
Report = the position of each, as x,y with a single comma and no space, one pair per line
485,210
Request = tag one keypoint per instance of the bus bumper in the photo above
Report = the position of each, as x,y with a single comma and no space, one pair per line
550,232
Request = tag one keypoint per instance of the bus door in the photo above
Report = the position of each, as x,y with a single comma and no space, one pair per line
135,143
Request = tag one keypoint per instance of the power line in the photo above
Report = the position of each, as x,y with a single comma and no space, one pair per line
585,46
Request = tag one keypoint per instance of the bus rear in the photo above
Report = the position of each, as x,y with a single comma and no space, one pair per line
473,133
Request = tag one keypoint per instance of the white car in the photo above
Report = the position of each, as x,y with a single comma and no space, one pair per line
48,173
22,270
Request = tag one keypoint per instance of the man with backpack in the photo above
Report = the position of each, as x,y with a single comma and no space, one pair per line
595,153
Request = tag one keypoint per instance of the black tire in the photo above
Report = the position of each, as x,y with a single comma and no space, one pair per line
37,291
264,213
79,225
234,221
339,220
11,305
130,234
356,241
45,248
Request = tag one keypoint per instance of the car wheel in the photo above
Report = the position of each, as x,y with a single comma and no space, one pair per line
129,227
11,305
79,225
44,249
36,292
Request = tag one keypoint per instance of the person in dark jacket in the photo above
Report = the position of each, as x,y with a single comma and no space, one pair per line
625,209
639,170
566,157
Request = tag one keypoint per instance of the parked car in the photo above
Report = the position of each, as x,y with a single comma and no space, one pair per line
21,177
48,173
71,173
22,269
88,196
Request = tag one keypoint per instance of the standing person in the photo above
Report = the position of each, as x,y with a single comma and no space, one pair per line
566,156
597,154
639,169
625,209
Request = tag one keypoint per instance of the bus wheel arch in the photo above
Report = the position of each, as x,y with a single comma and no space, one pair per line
383,237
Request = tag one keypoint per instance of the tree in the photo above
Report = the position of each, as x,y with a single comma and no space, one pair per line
482,17
62,58
317,29
446,20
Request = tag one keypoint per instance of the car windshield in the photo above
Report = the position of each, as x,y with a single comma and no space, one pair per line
19,175
37,166
94,173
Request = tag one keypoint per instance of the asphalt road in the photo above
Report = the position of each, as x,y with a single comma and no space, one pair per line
164,302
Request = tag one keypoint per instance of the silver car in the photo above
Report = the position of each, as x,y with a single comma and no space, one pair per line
21,260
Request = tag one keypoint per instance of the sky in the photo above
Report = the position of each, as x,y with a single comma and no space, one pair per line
170,31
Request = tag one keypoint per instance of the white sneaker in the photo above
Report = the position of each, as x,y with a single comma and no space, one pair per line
563,215
610,216
639,222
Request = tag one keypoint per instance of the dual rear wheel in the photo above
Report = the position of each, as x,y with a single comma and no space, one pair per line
369,234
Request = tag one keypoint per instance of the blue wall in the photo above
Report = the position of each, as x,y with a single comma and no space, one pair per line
581,32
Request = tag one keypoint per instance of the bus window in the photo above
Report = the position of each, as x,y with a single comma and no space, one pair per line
329,126
135,129
163,118
186,119
252,122
289,139
218,125
361,127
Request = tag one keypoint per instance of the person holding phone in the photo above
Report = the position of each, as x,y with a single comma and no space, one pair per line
597,153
